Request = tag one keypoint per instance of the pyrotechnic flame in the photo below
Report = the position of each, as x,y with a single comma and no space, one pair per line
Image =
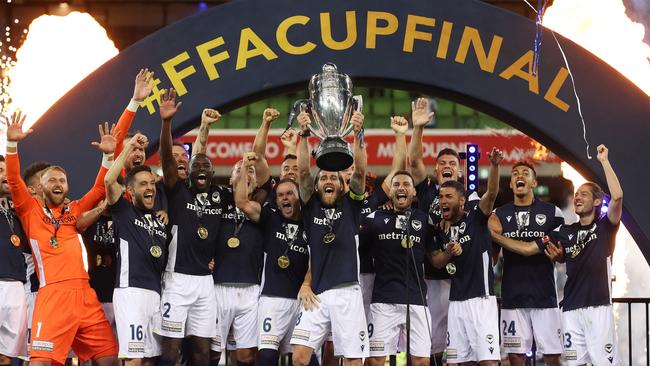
541,152
602,27
59,51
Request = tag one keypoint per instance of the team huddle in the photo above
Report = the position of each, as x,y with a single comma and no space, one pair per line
146,268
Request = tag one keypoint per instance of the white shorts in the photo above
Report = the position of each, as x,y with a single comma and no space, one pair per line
236,308
590,336
30,300
520,326
341,311
137,315
389,326
367,282
188,306
438,303
275,321
13,319
473,330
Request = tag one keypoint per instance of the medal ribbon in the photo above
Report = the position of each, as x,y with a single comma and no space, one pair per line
521,224
238,225
56,223
330,218
10,219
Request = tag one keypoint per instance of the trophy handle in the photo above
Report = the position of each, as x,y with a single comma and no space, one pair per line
356,105
301,105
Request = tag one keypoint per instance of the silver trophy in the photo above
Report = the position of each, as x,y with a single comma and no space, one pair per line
330,105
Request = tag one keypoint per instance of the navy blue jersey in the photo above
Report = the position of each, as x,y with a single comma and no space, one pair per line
370,204
242,264
333,263
188,210
428,201
382,233
12,261
474,276
283,237
142,246
101,247
160,202
32,283
528,281
588,253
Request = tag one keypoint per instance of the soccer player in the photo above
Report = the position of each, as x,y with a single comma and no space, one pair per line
187,299
332,224
13,305
529,307
238,269
67,312
397,239
286,262
587,247
140,259
447,168
472,327
32,177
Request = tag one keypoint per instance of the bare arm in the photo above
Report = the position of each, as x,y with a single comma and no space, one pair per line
495,227
306,295
208,117
520,247
168,109
440,258
358,179
113,188
420,116
90,217
252,209
615,209
400,126
262,170
304,174
487,201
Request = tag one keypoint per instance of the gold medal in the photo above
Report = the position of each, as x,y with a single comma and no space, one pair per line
203,232
329,237
155,251
451,268
15,240
407,243
54,243
233,242
98,260
283,261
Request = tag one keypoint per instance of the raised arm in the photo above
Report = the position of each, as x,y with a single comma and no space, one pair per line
487,201
262,171
290,141
358,179
420,116
495,227
615,209
113,188
19,192
168,109
107,144
252,209
208,117
400,126
306,181
141,90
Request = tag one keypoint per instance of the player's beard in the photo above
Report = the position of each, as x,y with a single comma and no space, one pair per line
330,199
54,199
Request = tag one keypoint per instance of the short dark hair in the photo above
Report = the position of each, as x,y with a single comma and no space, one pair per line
448,151
289,156
286,180
178,143
527,165
458,186
33,169
2,158
130,176
403,172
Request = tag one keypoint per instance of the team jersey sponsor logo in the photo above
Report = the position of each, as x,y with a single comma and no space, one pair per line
301,334
47,346
511,342
524,234
571,355
540,219
206,210
583,238
319,221
377,346
153,224
171,326
136,347
398,236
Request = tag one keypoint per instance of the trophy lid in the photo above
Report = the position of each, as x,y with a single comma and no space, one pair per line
329,67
